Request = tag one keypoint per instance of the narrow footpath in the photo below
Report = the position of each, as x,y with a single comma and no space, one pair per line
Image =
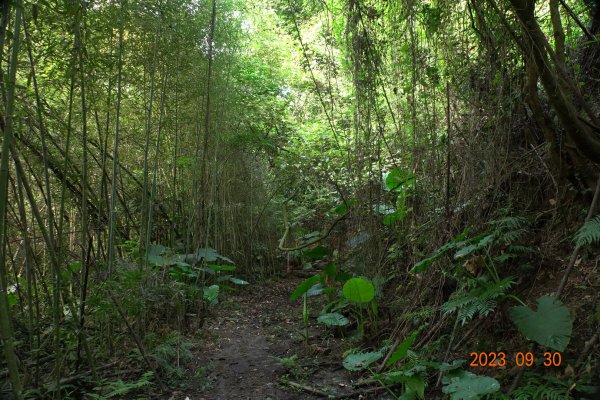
254,349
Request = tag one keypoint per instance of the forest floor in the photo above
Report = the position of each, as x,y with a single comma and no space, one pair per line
254,348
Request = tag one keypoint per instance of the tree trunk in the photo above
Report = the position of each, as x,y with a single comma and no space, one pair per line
6,332
556,83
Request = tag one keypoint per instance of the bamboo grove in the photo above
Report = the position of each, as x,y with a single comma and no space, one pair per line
137,130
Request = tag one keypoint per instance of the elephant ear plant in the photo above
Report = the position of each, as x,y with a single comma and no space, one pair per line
357,295
360,292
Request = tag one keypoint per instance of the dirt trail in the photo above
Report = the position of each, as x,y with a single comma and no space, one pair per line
249,330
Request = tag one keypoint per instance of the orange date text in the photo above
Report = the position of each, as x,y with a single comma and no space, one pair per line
519,359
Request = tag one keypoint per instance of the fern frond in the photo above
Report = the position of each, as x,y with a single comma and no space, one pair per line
589,233
481,300
419,314
542,388
509,223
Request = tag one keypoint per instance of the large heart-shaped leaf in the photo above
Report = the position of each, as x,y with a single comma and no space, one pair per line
551,325
333,319
468,386
157,261
211,294
359,290
209,254
360,361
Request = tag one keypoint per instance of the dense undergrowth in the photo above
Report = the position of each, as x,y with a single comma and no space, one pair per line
429,165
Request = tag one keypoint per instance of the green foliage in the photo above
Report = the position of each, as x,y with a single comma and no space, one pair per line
396,179
424,264
172,355
550,325
358,361
477,244
118,388
505,232
418,315
510,229
333,319
543,387
288,362
304,286
481,300
211,294
589,233
359,290
468,386
402,349
399,182
316,253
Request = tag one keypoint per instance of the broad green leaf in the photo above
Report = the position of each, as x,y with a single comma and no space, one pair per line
316,253
424,264
304,286
481,244
315,290
408,395
402,349
551,325
360,361
221,267
452,366
182,264
238,281
333,319
156,249
211,294
396,179
427,262
415,384
359,290
226,259
208,254
468,386
156,260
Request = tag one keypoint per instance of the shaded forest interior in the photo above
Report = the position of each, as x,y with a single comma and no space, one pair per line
294,199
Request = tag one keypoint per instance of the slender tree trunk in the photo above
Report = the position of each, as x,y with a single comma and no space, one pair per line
203,178
145,200
7,142
559,34
156,153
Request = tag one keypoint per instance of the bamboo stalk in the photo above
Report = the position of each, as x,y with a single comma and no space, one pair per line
5,324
